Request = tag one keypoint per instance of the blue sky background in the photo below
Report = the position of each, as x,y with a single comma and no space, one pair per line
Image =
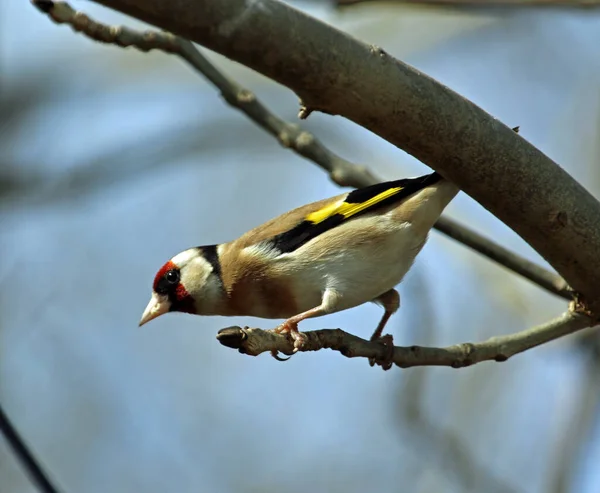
117,160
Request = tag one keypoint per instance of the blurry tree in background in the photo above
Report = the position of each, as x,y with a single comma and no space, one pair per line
112,161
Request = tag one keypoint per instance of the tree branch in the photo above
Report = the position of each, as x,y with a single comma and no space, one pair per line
256,341
341,171
334,73
30,464
550,281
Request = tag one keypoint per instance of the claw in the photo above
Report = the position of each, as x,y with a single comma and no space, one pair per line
275,355
282,329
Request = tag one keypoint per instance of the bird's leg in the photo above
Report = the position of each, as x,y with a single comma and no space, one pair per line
390,300
290,326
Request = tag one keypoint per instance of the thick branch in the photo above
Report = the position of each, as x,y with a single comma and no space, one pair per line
336,74
341,171
257,341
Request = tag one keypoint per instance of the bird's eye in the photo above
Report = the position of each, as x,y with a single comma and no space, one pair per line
172,277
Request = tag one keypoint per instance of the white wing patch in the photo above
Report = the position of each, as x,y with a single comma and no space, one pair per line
261,250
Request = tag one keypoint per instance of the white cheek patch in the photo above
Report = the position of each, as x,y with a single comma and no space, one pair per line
201,265
195,275
198,280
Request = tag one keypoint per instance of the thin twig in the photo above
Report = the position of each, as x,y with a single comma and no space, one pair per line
520,265
34,470
256,341
341,171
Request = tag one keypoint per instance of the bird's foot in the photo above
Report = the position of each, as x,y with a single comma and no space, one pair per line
388,360
298,337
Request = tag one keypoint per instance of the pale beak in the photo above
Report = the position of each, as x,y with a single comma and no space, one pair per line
157,306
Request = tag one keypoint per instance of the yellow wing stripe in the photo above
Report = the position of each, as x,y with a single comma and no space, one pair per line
347,210
323,213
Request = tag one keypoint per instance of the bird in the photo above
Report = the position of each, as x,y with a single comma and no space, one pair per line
320,258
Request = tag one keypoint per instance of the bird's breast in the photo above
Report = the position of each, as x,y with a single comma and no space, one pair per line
264,296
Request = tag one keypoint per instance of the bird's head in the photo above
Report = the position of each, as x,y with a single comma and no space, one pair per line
189,283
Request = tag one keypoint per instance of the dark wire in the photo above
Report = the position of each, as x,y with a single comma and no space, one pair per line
34,470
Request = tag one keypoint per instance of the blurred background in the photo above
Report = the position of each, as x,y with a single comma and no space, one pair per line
112,161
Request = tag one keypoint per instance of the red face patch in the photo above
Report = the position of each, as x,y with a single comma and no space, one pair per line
185,303
163,270
167,283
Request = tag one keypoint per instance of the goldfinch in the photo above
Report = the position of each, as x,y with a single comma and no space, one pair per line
320,258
